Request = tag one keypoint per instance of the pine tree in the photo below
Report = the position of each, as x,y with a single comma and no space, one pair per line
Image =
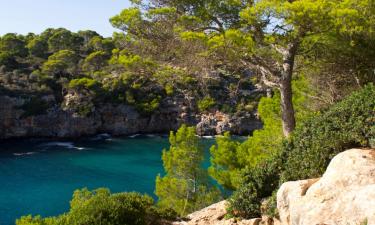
185,187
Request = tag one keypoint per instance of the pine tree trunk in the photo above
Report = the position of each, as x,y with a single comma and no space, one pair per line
287,110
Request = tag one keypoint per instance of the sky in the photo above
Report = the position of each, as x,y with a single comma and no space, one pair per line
24,16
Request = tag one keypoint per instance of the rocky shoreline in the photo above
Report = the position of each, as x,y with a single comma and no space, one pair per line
116,120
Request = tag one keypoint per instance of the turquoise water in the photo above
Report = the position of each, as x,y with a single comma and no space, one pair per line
38,177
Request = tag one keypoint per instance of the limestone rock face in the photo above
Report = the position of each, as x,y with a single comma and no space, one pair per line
345,195
219,123
65,122
77,116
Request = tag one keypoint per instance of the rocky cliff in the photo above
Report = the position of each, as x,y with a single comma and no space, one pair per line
66,121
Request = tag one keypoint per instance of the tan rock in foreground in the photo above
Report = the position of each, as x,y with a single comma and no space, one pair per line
215,215
345,195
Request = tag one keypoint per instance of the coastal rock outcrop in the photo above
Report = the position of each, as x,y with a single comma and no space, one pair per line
78,116
219,123
345,195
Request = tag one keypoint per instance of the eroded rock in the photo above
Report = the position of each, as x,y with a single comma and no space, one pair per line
215,215
345,195
78,116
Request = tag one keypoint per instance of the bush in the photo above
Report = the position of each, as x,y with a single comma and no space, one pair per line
100,207
148,106
84,83
258,183
206,103
269,206
245,202
29,220
345,125
36,106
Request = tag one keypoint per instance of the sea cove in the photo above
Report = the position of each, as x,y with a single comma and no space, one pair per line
39,177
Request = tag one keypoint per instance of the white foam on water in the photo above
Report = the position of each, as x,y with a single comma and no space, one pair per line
135,135
68,145
208,137
24,153
59,144
99,137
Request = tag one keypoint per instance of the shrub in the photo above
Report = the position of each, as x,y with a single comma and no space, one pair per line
347,124
245,202
85,82
206,103
258,183
269,206
148,106
169,90
102,207
36,106
29,220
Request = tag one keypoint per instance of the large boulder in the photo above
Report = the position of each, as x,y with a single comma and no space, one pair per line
345,195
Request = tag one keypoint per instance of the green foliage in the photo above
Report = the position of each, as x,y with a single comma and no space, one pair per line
225,165
229,158
86,83
126,19
185,187
169,89
261,180
347,124
95,61
206,103
147,107
97,43
62,39
29,220
35,106
61,62
13,44
269,206
100,207
38,47
245,202
129,60
8,60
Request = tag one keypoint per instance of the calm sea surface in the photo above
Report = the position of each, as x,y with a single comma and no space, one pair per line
39,177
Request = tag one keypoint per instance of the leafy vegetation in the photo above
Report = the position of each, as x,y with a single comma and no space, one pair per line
206,104
185,187
102,207
308,55
229,158
349,123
